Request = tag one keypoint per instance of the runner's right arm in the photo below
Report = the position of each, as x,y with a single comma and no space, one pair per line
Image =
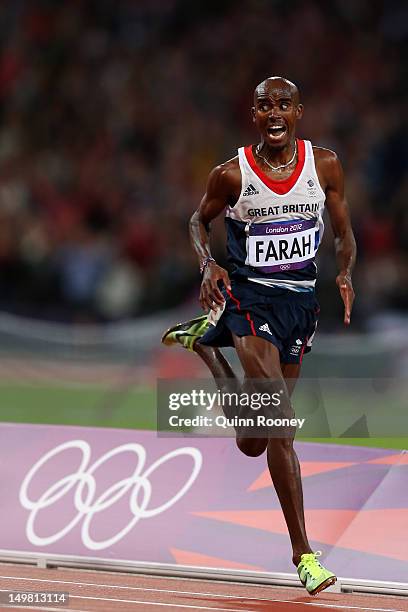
219,193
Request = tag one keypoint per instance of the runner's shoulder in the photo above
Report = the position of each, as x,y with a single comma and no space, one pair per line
227,169
321,154
226,175
326,161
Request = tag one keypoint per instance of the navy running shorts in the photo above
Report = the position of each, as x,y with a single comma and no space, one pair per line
286,318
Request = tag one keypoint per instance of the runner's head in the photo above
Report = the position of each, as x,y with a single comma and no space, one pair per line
276,110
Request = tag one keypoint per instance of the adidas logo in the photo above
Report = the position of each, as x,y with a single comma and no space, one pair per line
265,328
250,190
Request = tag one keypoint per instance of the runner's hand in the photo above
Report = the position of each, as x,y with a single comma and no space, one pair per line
343,281
210,294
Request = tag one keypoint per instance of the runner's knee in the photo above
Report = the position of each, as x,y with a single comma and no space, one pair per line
252,447
276,445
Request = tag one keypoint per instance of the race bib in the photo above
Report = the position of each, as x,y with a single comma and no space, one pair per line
285,245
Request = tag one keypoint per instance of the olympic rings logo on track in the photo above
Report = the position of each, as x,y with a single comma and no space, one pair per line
84,483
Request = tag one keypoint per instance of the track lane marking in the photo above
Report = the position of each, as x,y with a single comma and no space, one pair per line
215,595
165,604
153,589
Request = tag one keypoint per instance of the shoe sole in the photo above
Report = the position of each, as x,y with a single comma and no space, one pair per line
326,584
170,342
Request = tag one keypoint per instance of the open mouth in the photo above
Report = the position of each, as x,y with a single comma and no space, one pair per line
276,131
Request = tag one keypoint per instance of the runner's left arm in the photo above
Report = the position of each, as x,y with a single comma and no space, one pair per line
344,241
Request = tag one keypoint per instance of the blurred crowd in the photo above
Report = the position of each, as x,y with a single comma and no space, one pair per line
113,113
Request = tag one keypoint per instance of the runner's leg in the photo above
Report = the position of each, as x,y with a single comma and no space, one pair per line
260,360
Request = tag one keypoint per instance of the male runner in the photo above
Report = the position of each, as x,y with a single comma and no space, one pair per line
274,194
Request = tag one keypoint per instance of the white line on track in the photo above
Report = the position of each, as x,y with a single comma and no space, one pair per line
193,593
147,589
173,606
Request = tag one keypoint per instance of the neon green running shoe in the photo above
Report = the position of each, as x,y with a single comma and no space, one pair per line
186,333
313,575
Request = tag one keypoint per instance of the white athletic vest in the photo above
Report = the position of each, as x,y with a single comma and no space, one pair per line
275,228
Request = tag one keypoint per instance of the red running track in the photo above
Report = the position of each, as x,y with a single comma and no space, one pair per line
112,591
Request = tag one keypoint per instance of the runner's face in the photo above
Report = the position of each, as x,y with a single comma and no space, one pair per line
275,113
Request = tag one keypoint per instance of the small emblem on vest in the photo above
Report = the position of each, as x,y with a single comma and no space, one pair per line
250,190
311,188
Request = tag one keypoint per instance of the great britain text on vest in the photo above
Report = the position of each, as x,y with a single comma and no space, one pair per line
283,209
